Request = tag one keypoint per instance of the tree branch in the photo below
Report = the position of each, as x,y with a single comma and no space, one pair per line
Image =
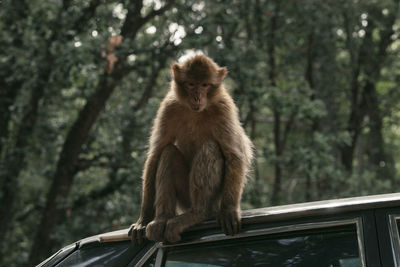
134,21
87,14
288,127
111,186
158,12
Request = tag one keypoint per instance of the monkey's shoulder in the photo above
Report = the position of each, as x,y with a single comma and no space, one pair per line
170,107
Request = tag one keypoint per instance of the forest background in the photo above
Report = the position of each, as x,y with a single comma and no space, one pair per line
316,82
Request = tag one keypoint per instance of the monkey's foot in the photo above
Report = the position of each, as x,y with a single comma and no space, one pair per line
155,230
137,233
172,231
230,221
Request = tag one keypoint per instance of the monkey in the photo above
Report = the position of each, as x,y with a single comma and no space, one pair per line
198,157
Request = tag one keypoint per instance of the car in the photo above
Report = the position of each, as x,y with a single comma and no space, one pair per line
360,231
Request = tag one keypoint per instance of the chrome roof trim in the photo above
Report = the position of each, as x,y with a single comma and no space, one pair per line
333,205
286,212
148,254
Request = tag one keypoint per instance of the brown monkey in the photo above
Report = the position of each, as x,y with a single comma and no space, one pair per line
198,156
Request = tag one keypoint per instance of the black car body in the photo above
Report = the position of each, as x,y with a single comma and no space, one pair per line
361,231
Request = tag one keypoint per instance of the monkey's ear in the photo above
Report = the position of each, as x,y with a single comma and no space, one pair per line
175,70
222,72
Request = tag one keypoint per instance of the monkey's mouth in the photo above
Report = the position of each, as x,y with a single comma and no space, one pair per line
197,108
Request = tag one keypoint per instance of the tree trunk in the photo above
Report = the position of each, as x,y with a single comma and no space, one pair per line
371,63
276,190
9,90
276,193
11,158
357,61
255,197
309,76
377,155
15,158
63,178
15,155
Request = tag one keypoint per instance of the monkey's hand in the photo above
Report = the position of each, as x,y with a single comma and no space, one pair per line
137,232
229,220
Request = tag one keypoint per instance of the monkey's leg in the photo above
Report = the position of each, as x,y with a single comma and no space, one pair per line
171,172
205,186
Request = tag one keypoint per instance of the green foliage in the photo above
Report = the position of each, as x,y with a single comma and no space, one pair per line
316,84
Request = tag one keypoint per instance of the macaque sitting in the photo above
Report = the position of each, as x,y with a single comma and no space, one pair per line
198,156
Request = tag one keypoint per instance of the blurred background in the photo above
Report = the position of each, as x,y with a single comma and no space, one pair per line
316,82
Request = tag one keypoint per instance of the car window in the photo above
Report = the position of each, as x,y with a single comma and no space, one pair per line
331,247
102,254
394,220
151,262
398,226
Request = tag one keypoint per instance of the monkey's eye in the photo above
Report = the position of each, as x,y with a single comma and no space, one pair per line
190,84
205,84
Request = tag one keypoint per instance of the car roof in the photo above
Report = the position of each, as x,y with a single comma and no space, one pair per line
324,207
284,212
251,218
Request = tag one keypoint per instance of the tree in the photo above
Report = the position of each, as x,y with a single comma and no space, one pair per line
315,83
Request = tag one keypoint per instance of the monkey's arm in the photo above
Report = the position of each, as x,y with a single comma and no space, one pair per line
160,137
235,171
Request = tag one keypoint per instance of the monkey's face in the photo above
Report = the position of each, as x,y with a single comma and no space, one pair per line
197,81
197,94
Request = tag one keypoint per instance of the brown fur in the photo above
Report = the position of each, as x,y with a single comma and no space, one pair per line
198,157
